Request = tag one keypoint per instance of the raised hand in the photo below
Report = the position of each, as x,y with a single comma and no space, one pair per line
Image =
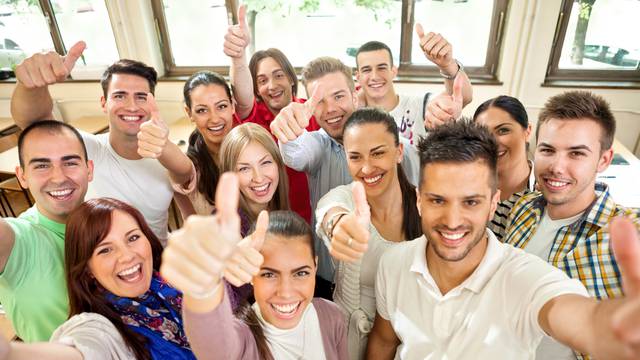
237,37
294,118
197,254
445,107
246,260
42,69
153,136
436,48
350,238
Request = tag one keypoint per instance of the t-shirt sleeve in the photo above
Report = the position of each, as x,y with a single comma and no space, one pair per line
381,286
188,187
340,196
92,143
304,153
19,259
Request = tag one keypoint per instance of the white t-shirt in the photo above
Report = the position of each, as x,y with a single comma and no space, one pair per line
409,116
540,245
143,184
493,314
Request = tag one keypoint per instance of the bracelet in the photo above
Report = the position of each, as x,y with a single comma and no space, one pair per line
451,77
207,294
333,221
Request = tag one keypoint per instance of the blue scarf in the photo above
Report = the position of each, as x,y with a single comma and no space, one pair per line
157,316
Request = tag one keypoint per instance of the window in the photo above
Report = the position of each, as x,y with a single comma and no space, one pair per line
596,41
192,31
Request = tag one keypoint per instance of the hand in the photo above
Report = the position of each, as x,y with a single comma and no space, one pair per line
294,118
445,107
246,260
153,136
351,233
237,37
436,48
197,254
42,69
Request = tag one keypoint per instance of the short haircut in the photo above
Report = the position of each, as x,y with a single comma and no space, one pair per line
324,65
53,127
130,67
279,57
575,105
508,104
374,46
461,141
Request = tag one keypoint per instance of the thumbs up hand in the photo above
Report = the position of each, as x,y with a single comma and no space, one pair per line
153,136
294,118
246,260
237,37
436,48
350,236
42,69
445,107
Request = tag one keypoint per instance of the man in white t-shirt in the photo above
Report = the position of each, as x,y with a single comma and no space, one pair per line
458,293
375,74
132,160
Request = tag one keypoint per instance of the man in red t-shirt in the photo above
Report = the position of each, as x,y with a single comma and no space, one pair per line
261,90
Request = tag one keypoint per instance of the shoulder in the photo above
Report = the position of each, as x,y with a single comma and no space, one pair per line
396,257
327,307
342,192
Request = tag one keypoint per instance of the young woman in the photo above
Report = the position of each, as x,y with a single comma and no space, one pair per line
120,307
249,151
285,322
207,99
374,154
506,117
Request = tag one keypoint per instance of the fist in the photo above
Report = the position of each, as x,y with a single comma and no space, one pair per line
42,69
153,136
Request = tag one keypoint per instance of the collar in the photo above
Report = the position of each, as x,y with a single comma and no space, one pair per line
335,146
53,226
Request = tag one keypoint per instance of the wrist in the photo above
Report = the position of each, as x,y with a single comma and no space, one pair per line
452,70
333,221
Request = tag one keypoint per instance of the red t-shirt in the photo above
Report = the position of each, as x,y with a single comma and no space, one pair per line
298,185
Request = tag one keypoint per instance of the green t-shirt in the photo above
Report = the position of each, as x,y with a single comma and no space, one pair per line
33,291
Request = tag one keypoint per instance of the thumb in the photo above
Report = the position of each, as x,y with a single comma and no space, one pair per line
258,236
457,89
419,31
317,94
626,248
153,110
227,196
242,16
362,207
74,54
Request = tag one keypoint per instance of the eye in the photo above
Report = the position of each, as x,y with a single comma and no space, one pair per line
502,131
222,106
141,98
117,96
201,111
262,81
267,162
72,163
354,157
133,237
267,275
243,169
279,76
577,154
471,202
302,273
545,151
338,97
378,154
437,201
41,166
104,250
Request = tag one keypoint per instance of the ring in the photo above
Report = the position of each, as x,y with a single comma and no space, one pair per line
349,242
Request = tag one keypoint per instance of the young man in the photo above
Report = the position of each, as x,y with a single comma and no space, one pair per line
459,293
376,72
566,223
132,160
54,167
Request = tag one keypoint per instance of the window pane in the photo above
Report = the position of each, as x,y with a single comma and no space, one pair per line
469,41
87,20
196,30
334,28
23,31
602,36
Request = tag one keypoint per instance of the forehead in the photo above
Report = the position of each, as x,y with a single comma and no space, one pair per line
267,66
367,135
128,83
208,92
284,254
570,133
330,83
44,143
372,58
456,179
494,116
253,151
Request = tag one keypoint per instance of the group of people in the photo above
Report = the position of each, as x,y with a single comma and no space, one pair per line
358,223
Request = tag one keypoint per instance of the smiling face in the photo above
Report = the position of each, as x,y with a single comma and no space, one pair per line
455,202
567,159
511,136
373,157
126,104
122,262
285,284
212,112
55,171
375,73
338,104
274,87
258,174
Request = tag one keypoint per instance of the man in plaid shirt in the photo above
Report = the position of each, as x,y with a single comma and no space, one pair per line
567,221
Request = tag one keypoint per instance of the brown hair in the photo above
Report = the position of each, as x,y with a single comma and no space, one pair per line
279,57
576,105
87,226
130,67
324,65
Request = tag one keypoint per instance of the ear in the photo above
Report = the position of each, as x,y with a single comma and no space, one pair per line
605,160
21,178
495,199
103,104
418,201
400,152
527,133
90,169
394,71
187,111
354,99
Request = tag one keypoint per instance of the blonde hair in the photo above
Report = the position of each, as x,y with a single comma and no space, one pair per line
324,65
235,142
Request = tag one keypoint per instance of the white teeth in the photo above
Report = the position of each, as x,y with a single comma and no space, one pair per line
334,120
130,271
216,128
260,188
502,153
60,193
375,86
455,236
286,309
556,183
373,179
130,118
277,94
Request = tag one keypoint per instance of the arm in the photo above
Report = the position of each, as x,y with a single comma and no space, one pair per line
7,239
31,100
180,167
235,43
301,154
44,351
382,340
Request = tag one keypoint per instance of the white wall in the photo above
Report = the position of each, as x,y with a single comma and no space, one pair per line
525,52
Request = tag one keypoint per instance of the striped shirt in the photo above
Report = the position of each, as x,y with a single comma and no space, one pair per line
498,224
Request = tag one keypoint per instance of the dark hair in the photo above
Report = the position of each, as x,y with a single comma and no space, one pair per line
131,67
282,223
281,59
411,219
510,105
53,127
461,141
208,172
87,226
575,105
374,46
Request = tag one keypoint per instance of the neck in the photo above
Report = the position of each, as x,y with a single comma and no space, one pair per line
125,146
62,219
388,102
573,207
255,208
387,204
214,151
513,180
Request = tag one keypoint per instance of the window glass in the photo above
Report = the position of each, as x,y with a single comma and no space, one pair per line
23,31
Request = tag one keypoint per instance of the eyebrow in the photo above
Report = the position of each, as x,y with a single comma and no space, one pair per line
502,124
467,197
121,92
48,160
293,270
576,147
261,159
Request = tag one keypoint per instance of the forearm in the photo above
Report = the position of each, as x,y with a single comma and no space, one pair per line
44,351
30,105
467,90
177,163
242,86
379,349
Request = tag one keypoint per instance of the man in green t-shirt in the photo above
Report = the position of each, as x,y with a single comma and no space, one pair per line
54,167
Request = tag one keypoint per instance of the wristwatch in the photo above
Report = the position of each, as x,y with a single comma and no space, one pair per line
451,77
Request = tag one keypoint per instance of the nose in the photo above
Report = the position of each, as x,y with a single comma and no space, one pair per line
452,216
57,174
130,103
367,168
125,255
557,164
285,287
257,175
